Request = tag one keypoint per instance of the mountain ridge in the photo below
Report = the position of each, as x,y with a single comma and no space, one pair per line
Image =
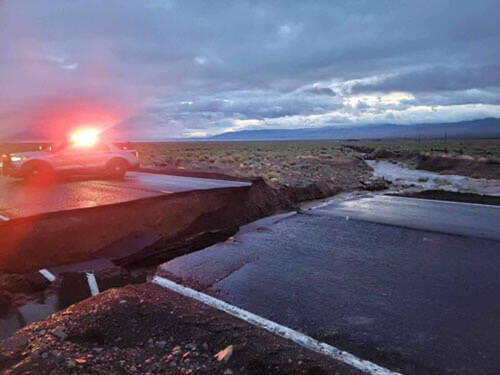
486,127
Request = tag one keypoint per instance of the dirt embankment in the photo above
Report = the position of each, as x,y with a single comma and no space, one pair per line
453,196
459,164
165,334
377,153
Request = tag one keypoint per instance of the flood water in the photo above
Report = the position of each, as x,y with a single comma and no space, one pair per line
400,175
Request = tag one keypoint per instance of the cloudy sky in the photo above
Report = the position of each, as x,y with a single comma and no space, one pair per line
162,68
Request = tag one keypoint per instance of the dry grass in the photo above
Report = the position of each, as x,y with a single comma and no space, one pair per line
293,163
476,148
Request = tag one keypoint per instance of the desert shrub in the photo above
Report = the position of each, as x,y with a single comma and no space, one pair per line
381,153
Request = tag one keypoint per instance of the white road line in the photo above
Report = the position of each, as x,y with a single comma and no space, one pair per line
277,329
94,289
4,218
47,274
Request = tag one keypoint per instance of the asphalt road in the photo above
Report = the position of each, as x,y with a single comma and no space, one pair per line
475,220
412,300
18,199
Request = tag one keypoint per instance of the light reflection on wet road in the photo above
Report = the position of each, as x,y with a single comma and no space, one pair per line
18,199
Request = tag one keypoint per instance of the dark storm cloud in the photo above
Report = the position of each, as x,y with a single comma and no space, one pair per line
440,78
321,91
169,68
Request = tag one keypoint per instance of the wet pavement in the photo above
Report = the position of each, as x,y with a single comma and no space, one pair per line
466,219
19,199
425,302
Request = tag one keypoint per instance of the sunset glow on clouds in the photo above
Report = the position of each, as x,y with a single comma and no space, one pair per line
160,69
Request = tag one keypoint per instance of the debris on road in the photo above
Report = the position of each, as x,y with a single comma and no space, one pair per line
376,184
147,329
225,354
75,286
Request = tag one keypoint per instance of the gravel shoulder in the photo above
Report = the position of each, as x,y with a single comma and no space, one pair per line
147,329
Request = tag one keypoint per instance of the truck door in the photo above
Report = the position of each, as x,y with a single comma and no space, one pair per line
66,157
97,155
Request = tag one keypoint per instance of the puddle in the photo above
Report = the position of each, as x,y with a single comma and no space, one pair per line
400,175
33,311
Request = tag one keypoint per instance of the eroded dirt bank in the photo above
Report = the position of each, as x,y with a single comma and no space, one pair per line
443,160
147,329
462,165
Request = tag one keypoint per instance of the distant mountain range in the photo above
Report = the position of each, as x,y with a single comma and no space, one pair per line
483,128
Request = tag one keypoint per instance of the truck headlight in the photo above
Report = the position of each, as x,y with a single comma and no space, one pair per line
17,158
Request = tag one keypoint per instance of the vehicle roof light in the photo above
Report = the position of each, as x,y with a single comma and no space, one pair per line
85,137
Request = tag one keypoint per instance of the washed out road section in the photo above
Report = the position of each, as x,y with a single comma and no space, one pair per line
414,301
19,199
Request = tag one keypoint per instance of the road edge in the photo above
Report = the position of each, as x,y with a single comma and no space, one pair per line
275,328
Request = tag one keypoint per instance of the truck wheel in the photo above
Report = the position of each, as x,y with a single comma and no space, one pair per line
117,168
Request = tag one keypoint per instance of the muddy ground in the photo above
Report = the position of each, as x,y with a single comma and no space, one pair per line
145,329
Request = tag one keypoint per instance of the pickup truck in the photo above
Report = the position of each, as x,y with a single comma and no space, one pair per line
68,158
